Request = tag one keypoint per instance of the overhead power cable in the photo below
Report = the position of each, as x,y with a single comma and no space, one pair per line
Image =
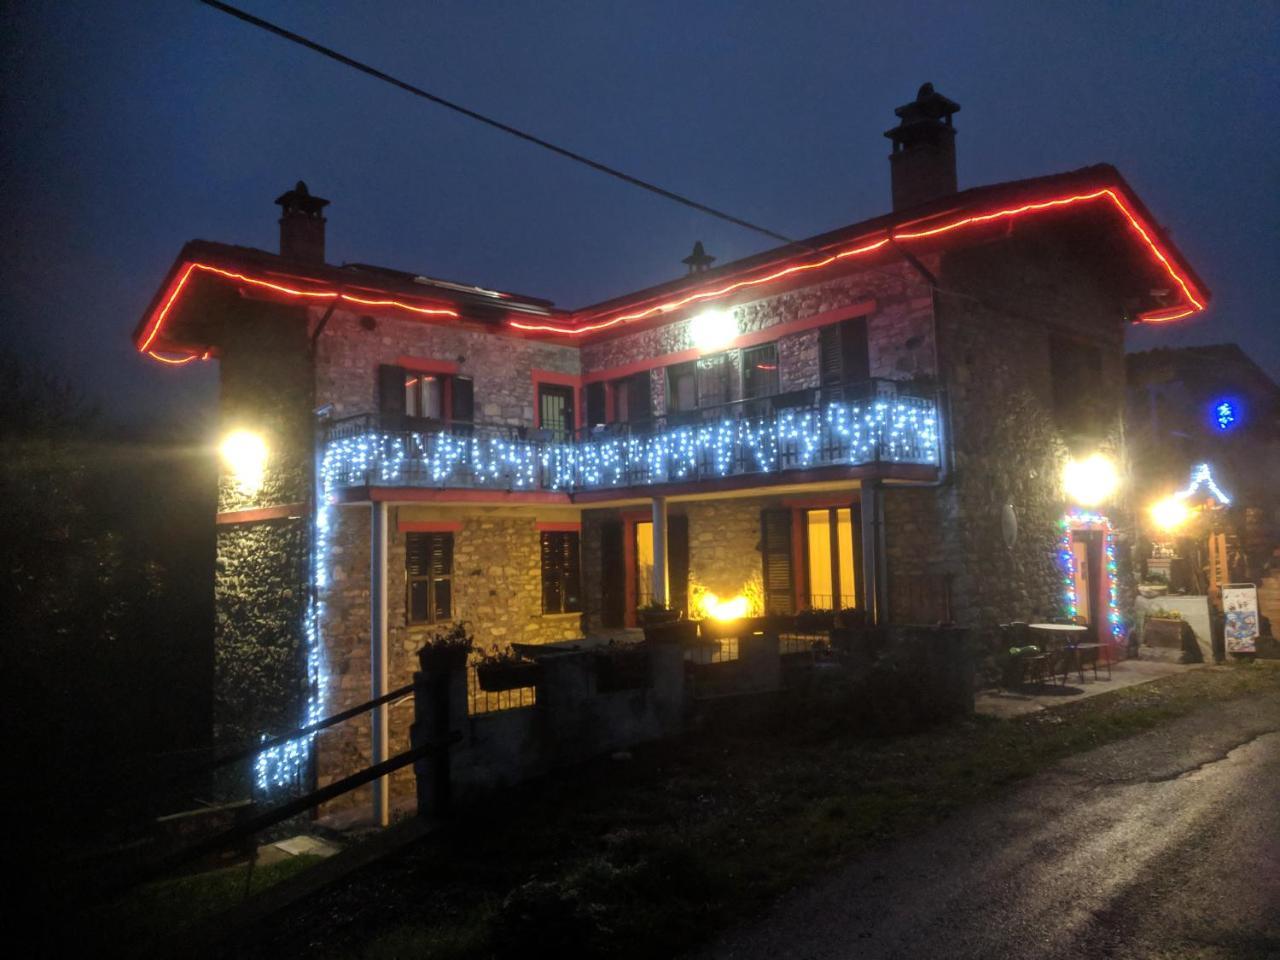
490,121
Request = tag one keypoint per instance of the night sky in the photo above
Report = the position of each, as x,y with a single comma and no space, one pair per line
130,128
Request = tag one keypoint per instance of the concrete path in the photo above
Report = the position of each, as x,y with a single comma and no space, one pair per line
1160,846
1127,673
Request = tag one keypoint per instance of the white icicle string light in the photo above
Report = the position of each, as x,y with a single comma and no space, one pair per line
902,430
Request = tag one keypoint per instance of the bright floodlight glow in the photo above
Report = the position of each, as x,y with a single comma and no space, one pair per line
245,455
1090,482
717,609
713,329
1170,514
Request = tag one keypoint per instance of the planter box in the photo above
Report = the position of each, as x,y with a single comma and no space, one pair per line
1161,632
497,677
442,659
653,618
679,631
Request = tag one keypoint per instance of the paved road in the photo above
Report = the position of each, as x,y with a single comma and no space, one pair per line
1166,845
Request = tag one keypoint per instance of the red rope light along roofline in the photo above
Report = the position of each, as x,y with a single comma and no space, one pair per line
1192,303
1154,316
185,276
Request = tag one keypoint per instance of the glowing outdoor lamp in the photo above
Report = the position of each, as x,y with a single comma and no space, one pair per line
717,609
1092,481
1170,513
713,329
244,453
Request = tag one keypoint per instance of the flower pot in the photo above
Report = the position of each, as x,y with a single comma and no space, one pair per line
678,631
442,659
496,677
653,618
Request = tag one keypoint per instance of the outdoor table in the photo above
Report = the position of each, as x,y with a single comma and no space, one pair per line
1073,649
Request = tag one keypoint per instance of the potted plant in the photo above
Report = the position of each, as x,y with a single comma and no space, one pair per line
446,649
653,614
672,631
621,666
501,669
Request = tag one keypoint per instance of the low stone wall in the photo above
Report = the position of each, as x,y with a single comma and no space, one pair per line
908,677
573,721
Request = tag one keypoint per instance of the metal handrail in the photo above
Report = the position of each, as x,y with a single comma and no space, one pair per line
370,452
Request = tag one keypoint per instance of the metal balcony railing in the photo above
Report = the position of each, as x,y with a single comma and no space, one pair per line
880,421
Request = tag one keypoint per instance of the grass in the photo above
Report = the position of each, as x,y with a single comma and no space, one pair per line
653,856
162,907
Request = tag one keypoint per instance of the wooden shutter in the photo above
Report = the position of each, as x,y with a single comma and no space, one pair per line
463,400
830,355
391,381
570,572
855,356
775,548
678,562
613,575
639,399
596,404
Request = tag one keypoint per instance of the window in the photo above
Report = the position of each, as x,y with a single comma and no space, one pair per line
561,573
408,397
713,380
698,383
829,561
631,400
682,387
1075,370
424,395
843,355
555,409
429,576
760,371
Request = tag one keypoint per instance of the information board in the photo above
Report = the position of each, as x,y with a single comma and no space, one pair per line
1240,605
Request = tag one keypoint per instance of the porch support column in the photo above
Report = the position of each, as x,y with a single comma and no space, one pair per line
660,550
378,656
874,585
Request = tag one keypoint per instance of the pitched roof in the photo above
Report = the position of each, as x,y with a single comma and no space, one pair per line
1097,191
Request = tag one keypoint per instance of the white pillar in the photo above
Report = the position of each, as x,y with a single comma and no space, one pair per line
660,550
378,656
873,585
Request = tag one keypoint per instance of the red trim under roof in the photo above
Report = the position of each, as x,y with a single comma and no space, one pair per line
1004,202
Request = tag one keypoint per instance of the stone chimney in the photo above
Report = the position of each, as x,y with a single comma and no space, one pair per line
923,163
302,225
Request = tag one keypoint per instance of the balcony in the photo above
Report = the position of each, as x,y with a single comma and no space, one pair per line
876,423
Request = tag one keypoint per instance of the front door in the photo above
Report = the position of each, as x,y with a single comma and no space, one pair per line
1090,582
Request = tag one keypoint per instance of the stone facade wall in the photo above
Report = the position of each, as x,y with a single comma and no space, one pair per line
348,356
497,590
724,549
261,574
900,330
996,311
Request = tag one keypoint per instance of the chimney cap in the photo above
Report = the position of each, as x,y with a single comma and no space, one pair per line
699,260
300,201
929,110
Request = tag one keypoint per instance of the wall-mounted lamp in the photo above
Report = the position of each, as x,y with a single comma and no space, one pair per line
713,330
244,453
1091,481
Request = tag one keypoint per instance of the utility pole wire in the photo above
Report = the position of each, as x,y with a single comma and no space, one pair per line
489,121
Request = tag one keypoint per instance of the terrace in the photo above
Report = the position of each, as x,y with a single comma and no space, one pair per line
879,423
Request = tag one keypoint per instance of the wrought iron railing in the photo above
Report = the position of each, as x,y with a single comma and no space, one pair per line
875,422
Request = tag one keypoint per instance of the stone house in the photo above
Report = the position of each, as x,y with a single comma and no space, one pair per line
875,418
